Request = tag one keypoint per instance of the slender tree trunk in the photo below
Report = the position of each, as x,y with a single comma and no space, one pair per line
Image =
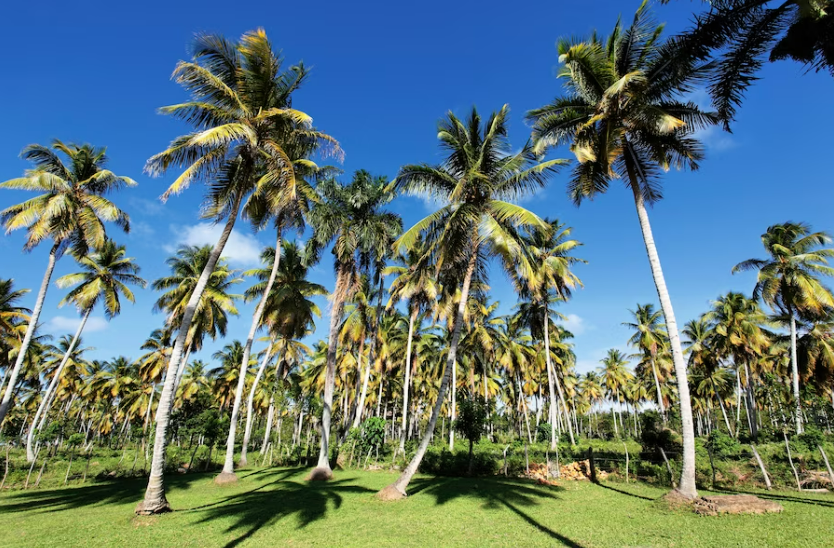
250,407
452,408
397,489
795,376
360,408
30,331
228,473
46,402
659,391
155,501
553,379
687,482
323,470
183,364
412,318
268,431
724,414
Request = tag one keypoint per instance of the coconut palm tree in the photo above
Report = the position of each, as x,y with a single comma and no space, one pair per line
703,360
105,276
478,174
289,312
789,282
351,217
615,377
625,118
13,323
649,337
71,211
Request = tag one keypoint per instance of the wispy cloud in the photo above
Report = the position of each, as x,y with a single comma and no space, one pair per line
714,138
147,207
64,324
241,249
576,325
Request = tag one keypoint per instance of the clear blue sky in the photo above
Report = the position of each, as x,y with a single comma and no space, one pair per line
383,74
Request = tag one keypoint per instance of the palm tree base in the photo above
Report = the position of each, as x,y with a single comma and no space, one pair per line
225,478
677,499
320,473
146,508
243,462
391,492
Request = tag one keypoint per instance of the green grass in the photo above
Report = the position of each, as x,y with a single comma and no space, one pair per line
276,507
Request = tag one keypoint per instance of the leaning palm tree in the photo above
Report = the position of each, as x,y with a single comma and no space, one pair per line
105,275
71,212
353,218
241,111
625,118
789,282
479,173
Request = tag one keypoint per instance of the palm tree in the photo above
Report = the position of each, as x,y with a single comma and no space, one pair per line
71,212
789,282
649,337
615,377
552,280
241,111
353,219
479,172
703,360
13,323
625,118
105,275
289,312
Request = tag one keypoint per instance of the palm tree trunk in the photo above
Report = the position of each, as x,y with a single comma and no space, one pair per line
795,375
155,501
553,379
46,402
452,407
30,331
659,391
183,363
268,430
724,413
687,483
323,470
407,381
360,408
397,489
250,407
228,472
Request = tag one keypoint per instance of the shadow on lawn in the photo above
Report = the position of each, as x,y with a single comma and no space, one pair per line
622,491
782,498
279,498
495,493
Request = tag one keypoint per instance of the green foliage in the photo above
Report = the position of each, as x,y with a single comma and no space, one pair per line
471,419
373,432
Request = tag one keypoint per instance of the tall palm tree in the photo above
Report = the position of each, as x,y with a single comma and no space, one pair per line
13,323
71,211
789,282
478,174
105,275
353,218
615,377
240,108
552,280
625,118
649,337
703,359
289,312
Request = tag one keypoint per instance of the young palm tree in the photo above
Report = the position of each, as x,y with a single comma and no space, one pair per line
552,280
649,337
789,282
289,312
478,174
13,322
353,219
105,275
625,118
71,212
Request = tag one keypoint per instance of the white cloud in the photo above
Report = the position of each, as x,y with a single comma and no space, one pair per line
64,324
713,137
241,249
575,324
148,207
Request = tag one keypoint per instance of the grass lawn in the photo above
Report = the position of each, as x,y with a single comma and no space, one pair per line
276,507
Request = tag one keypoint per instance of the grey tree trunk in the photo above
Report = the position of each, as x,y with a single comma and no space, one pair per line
452,408
6,403
268,430
155,501
323,470
659,391
687,483
553,379
407,381
402,482
228,472
360,407
250,407
46,402
795,375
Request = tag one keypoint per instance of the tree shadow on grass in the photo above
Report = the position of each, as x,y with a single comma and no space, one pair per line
273,501
495,493
119,491
623,492
780,497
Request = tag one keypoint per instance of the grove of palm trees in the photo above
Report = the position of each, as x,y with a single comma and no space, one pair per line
602,318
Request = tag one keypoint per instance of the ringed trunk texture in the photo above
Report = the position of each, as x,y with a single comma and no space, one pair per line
795,376
687,482
30,331
250,408
397,489
155,501
227,475
407,381
46,402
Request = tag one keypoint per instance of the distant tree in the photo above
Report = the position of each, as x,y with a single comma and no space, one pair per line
471,423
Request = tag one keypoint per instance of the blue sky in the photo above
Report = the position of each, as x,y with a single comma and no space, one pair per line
383,74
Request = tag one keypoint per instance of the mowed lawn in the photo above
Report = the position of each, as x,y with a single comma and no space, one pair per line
276,507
